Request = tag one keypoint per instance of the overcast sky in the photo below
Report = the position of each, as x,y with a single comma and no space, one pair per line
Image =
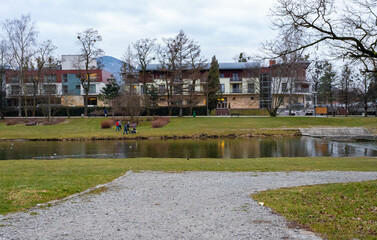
221,27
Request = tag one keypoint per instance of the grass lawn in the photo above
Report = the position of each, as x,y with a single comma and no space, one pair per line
24,183
336,211
87,128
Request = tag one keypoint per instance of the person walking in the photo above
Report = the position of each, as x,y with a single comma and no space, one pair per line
117,126
105,112
126,128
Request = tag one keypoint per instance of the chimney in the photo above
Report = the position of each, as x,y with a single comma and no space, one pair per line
272,62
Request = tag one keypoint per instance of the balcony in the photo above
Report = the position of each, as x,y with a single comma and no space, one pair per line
301,80
302,90
236,79
236,91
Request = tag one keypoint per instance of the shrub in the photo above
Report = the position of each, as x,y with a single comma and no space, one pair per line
160,122
9,122
53,121
107,123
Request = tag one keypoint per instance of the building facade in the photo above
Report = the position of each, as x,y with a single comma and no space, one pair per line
242,86
59,86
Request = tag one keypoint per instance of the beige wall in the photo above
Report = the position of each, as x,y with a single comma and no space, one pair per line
73,100
242,101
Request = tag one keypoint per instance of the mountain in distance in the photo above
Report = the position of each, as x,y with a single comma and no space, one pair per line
111,65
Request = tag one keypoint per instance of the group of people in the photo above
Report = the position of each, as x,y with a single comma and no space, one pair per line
126,127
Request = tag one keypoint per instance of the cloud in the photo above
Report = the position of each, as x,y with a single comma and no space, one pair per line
221,27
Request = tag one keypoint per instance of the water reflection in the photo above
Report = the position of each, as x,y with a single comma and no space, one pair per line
212,148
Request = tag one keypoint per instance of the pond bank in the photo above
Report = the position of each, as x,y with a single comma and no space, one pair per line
253,133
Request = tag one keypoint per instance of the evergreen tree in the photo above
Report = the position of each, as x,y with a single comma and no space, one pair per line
110,92
213,85
326,86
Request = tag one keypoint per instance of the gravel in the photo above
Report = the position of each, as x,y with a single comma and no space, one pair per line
159,205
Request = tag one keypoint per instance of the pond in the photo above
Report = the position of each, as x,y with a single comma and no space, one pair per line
193,148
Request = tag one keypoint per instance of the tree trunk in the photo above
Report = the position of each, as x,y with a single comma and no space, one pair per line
25,108
86,105
34,106
49,108
20,106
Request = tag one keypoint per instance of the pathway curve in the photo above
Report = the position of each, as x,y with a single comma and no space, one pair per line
157,205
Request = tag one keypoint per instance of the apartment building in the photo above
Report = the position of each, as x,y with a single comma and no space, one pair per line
62,85
242,86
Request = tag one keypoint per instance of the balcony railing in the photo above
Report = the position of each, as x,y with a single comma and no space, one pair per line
301,79
236,91
236,79
303,90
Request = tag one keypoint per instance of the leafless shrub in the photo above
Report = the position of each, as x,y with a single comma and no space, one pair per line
107,123
53,121
10,122
160,122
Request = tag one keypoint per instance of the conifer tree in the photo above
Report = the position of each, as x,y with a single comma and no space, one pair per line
213,85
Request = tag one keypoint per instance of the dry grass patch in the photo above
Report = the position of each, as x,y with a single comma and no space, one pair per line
24,196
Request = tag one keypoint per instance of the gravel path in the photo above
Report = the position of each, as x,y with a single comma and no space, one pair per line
157,205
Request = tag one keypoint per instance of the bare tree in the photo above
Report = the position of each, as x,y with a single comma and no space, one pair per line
21,36
283,74
179,54
130,102
44,61
144,53
3,67
316,72
364,81
347,27
345,81
89,51
49,88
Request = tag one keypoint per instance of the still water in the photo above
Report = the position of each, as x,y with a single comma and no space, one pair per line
211,148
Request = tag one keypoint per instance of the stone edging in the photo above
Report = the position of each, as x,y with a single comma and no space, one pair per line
53,202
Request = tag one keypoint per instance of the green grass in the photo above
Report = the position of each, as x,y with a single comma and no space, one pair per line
336,211
87,128
25,183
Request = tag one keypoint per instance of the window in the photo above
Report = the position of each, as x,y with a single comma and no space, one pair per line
92,89
92,101
77,86
222,88
14,79
161,88
93,77
177,90
65,78
15,89
235,77
221,75
30,89
65,89
50,78
250,88
284,87
49,89
236,88
191,88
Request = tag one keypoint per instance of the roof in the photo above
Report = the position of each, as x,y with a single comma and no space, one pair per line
222,66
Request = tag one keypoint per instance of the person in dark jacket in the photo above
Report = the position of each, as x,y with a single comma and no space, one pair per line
126,128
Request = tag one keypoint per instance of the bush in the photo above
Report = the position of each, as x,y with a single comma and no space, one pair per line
9,122
160,122
107,123
53,121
